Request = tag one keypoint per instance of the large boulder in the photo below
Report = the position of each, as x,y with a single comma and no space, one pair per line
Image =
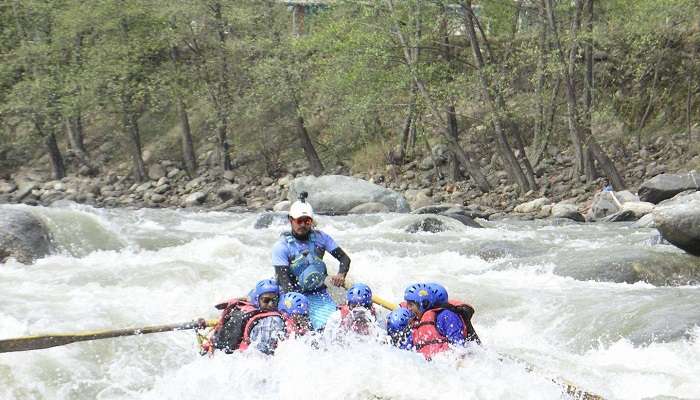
665,186
267,219
631,265
338,194
532,206
22,236
638,208
678,220
428,223
369,208
567,211
604,204
465,219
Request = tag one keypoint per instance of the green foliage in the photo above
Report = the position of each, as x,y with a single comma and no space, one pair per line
346,76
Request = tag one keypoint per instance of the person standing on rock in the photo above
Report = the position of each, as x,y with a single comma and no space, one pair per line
298,260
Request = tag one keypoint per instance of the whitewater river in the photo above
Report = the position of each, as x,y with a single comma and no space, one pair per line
128,268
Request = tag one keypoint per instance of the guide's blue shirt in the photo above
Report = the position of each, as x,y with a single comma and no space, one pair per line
283,254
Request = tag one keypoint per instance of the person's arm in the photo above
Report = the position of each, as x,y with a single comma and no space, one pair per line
344,260
283,277
450,325
343,268
280,261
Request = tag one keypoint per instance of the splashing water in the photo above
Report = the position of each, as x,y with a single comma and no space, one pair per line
123,268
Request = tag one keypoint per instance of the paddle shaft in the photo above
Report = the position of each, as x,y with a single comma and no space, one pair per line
52,340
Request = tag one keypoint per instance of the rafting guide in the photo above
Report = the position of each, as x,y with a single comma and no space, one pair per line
297,257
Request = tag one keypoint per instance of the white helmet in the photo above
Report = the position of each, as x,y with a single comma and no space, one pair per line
301,209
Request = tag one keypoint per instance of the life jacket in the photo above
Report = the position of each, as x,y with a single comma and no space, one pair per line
348,324
232,332
306,265
428,341
293,329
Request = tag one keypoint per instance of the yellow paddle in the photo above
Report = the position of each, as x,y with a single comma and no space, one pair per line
59,339
571,389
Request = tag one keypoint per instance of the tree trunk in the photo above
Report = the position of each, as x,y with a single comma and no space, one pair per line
454,172
548,123
573,118
188,154
588,163
688,107
58,170
541,132
405,133
308,146
74,129
463,156
222,91
298,14
131,126
507,155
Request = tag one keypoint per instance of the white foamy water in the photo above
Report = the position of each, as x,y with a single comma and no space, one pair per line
126,268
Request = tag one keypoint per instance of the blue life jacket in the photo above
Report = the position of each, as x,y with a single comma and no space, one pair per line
307,266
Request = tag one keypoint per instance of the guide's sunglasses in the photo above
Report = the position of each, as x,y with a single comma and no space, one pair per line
267,299
303,220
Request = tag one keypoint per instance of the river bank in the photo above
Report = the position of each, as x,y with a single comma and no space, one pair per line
422,182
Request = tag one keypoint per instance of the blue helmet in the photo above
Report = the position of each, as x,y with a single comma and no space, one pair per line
398,320
421,294
439,294
264,286
294,303
359,294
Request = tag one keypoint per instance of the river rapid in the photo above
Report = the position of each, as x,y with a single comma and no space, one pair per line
118,268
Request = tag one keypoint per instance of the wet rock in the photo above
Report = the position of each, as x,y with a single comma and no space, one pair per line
603,204
432,209
678,220
500,249
265,220
567,211
369,208
634,266
22,236
338,194
620,216
464,219
665,186
472,213
282,206
194,199
531,206
229,175
25,189
161,189
427,224
156,171
656,238
157,198
228,192
646,221
638,208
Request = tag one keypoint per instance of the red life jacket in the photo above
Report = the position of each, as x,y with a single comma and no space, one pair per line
294,329
348,324
428,341
232,332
